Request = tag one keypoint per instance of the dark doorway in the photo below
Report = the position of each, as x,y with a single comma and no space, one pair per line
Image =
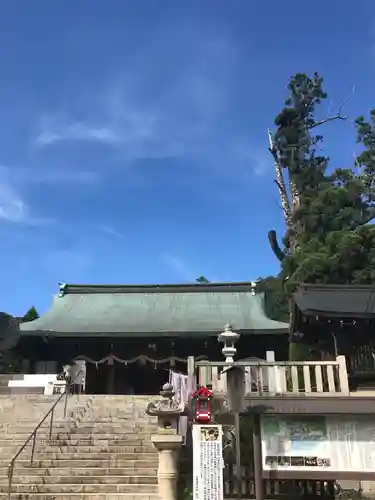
145,379
96,378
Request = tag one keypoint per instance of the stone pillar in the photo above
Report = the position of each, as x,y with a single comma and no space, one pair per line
168,446
167,442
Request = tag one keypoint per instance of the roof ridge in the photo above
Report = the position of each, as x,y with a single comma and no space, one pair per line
242,286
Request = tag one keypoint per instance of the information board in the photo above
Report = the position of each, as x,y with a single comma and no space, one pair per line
306,443
208,462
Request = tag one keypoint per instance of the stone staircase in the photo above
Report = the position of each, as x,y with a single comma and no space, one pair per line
105,452
4,389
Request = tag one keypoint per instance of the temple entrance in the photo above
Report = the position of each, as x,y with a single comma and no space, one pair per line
118,378
96,378
144,379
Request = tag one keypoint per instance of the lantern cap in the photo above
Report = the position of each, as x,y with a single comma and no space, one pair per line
167,391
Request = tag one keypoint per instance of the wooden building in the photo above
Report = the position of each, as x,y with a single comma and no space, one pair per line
338,320
333,428
131,335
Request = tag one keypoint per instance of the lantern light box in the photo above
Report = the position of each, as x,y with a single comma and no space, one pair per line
202,405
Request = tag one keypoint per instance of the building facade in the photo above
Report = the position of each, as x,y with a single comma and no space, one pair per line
131,336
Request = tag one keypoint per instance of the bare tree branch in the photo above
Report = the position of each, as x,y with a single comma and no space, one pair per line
338,115
280,183
275,247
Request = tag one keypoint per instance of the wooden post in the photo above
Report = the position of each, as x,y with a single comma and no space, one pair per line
110,377
191,375
343,375
238,454
271,374
258,465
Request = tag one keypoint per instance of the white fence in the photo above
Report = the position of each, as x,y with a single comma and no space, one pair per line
263,378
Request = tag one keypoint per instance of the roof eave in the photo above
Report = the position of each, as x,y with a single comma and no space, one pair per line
336,314
208,333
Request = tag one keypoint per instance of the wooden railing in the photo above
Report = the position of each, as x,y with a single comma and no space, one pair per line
263,378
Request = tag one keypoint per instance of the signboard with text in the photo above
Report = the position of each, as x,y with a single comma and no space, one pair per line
208,462
329,443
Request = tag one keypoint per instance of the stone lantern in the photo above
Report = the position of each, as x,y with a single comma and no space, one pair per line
166,441
229,338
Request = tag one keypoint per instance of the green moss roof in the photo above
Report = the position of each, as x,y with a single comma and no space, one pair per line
167,310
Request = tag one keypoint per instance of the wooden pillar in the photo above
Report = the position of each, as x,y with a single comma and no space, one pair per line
238,454
258,465
110,377
191,375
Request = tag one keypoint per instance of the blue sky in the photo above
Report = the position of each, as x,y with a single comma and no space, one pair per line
134,133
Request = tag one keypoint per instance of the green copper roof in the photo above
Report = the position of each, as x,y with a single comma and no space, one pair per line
140,310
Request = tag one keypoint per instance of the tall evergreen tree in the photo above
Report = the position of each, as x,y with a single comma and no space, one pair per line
31,314
9,336
328,237
202,280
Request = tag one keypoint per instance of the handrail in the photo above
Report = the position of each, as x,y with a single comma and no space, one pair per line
267,378
33,435
245,363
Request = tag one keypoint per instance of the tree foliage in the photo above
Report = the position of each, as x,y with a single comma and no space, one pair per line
9,336
328,238
276,303
202,280
10,362
31,315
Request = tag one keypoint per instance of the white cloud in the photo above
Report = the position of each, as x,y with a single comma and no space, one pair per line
184,271
75,132
67,264
143,117
258,160
62,176
111,231
179,267
30,176
171,100
12,207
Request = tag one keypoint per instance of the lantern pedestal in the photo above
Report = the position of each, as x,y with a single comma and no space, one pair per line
167,446
166,441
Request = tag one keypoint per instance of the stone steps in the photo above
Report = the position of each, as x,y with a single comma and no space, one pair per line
79,496
81,428
80,479
71,440
73,437
78,451
68,456
83,469
101,461
93,489
106,453
24,425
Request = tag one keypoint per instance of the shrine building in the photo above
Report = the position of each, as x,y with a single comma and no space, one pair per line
130,336
340,319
